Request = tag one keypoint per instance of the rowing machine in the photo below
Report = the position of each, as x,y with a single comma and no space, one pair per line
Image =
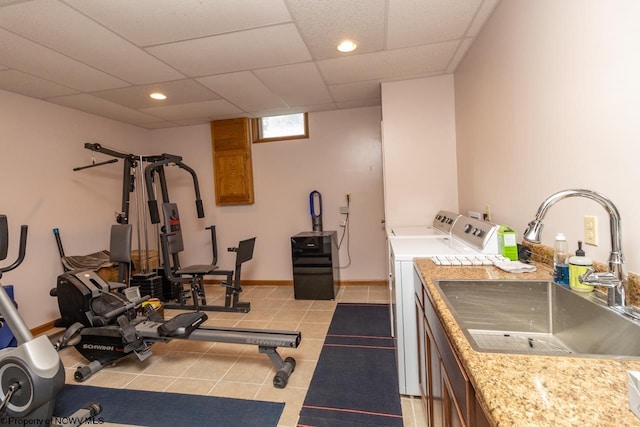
107,337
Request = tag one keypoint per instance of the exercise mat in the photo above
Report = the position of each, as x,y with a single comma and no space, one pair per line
355,382
159,409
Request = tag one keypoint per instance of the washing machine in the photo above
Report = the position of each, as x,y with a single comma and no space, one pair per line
470,242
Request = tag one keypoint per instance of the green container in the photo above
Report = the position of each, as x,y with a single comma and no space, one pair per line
507,243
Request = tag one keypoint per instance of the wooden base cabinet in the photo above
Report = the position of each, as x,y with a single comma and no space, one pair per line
447,394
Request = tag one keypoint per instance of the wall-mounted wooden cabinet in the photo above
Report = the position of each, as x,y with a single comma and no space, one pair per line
232,166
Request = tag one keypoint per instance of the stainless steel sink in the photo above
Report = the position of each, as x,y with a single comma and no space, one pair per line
538,317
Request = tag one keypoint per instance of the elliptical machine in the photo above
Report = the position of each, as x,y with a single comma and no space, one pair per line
31,374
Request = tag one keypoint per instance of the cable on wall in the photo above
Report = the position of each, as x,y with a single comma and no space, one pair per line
345,232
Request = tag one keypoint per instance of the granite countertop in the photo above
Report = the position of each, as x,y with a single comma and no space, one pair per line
523,390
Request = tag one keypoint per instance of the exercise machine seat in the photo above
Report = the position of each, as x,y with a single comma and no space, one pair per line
200,269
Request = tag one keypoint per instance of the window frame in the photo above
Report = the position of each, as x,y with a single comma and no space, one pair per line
256,130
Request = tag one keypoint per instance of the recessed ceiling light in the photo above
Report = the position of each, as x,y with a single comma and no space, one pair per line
158,95
347,46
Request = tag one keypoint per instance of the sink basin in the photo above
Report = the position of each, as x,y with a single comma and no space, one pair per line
538,317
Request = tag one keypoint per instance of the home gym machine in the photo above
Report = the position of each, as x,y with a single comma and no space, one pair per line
171,244
31,374
174,276
108,328
133,183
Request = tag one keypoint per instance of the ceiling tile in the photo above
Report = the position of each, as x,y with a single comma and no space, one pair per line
115,55
298,84
104,108
29,57
159,125
486,9
203,120
151,22
244,50
356,91
294,110
8,2
358,104
244,90
394,64
177,92
35,87
197,109
264,47
324,24
416,22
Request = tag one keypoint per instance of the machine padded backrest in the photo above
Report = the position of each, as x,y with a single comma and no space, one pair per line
172,227
4,237
120,243
245,250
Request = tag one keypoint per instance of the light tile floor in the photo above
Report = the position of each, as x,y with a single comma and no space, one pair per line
239,371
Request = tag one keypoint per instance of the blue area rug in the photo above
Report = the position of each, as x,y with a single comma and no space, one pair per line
355,382
146,408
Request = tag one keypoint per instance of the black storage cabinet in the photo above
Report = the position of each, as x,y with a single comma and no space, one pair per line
314,256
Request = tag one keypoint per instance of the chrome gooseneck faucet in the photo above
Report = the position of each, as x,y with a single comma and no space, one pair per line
614,279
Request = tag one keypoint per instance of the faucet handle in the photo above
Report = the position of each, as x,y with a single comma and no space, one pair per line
606,279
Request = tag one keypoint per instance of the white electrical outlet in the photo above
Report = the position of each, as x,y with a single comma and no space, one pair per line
476,215
591,230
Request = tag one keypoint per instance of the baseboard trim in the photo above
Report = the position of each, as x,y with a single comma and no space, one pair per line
290,282
43,328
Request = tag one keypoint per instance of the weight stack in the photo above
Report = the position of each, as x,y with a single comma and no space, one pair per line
149,284
168,289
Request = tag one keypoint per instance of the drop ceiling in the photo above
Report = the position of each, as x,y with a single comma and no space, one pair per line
217,59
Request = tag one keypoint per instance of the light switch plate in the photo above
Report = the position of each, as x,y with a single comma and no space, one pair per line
591,230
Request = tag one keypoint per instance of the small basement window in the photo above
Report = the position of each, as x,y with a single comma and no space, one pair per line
279,128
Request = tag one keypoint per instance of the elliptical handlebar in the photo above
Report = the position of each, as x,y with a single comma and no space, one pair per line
8,310
21,251
118,311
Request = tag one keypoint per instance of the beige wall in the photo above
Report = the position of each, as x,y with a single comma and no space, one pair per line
342,155
40,144
419,149
546,99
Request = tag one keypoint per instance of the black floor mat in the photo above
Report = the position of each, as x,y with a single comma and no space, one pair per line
355,382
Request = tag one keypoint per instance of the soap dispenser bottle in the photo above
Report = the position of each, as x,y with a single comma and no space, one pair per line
560,260
578,265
